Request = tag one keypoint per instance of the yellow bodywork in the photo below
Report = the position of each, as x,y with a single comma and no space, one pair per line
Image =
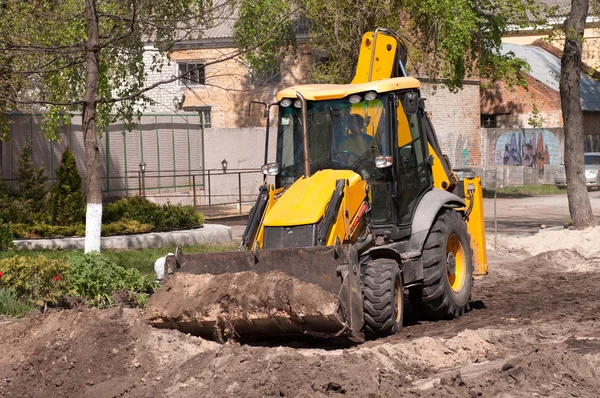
306,201
440,178
475,224
320,92
383,59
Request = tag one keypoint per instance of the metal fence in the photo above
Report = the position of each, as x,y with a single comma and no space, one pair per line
200,188
172,145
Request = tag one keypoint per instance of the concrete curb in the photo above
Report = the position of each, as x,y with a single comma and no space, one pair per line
209,234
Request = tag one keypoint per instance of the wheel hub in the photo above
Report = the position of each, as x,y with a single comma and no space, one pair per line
451,263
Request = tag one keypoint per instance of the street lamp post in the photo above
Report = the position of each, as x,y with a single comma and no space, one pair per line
142,179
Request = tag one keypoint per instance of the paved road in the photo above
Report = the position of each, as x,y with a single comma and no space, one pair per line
523,215
526,215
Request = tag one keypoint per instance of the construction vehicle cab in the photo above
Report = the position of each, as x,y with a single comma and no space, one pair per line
364,205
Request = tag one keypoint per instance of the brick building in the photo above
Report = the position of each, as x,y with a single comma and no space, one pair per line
222,91
504,107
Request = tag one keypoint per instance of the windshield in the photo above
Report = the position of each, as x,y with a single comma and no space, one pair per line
341,135
592,160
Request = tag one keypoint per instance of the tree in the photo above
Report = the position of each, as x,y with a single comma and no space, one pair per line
570,78
451,39
70,56
31,181
66,203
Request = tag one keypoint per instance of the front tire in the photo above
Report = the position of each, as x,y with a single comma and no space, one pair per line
383,300
447,267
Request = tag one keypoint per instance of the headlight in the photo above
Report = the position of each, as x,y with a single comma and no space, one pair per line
270,169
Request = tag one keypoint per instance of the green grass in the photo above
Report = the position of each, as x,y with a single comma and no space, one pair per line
140,259
143,259
525,191
11,306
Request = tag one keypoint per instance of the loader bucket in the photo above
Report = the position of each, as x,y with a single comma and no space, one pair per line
251,295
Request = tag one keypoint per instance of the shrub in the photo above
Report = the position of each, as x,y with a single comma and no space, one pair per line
11,305
95,278
6,237
125,226
36,279
24,231
31,183
66,203
161,217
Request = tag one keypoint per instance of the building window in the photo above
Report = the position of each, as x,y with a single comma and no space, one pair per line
266,75
488,121
191,74
205,116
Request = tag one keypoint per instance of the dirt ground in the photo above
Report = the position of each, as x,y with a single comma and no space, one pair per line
534,330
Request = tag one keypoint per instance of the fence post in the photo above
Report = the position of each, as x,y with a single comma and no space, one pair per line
194,188
144,183
209,200
240,189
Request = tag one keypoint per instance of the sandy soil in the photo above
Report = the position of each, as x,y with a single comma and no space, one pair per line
534,331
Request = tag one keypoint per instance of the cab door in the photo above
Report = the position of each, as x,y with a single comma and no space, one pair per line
413,172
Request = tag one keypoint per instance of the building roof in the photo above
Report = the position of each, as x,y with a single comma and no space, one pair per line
545,67
562,7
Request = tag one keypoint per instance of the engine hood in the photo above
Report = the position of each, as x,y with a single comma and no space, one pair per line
305,201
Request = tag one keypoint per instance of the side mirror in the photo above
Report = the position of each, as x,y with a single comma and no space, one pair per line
411,103
270,169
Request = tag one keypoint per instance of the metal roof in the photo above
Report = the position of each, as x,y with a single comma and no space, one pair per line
545,68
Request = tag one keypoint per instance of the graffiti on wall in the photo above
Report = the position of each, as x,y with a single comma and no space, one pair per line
528,147
461,153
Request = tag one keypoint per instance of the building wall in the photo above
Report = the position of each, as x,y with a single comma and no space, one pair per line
456,119
513,106
228,89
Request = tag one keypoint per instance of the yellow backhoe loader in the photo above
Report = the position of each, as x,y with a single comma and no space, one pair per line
364,207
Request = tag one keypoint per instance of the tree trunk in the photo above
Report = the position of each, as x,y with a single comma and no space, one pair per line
570,76
93,216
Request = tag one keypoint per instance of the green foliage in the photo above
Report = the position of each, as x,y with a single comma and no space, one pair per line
525,191
31,183
162,217
451,39
263,28
42,230
42,59
124,226
36,279
6,237
66,202
536,120
95,278
11,305
140,259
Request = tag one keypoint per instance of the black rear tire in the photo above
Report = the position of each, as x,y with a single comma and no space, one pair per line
383,299
447,267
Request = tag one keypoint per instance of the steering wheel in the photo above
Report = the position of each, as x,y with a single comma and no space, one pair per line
346,157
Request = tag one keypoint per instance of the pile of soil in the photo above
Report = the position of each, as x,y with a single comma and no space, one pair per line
584,242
